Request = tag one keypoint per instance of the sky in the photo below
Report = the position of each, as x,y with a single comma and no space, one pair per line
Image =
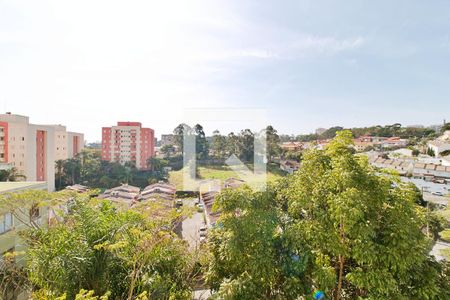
305,64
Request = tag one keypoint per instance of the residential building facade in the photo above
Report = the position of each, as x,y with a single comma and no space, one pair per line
128,142
33,149
167,139
67,144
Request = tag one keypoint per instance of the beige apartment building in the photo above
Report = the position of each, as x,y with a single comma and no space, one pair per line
33,149
67,144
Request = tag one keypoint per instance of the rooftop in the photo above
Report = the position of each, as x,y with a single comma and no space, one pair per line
14,186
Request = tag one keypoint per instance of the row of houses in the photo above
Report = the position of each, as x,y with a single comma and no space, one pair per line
427,171
364,142
360,143
130,195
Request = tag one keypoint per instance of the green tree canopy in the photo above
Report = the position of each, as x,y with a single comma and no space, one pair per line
351,231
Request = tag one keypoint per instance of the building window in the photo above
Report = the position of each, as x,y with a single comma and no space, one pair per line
6,223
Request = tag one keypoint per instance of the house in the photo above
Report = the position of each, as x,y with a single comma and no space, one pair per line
361,145
233,183
394,142
124,193
292,146
321,144
439,146
289,166
160,190
401,166
431,171
77,188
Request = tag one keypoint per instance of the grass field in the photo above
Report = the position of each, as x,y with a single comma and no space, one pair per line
221,173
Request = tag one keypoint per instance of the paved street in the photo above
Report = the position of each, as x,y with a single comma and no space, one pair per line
436,199
191,225
438,247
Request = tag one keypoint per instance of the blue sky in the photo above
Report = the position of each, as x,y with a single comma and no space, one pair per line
309,64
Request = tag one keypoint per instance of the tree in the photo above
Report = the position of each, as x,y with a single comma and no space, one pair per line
201,145
72,168
337,225
250,256
431,152
331,132
179,133
157,165
218,145
103,249
364,231
232,144
445,153
167,150
245,145
20,205
59,172
273,143
294,155
11,174
445,127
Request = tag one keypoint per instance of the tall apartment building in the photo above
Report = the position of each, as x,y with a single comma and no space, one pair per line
128,142
33,149
67,144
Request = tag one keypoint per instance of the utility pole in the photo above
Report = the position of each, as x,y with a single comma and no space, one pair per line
428,213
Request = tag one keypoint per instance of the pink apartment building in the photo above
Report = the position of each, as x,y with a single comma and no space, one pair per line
128,142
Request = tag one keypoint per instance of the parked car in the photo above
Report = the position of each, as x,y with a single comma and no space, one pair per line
437,193
179,203
203,231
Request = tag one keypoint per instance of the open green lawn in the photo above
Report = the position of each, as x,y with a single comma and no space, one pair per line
221,173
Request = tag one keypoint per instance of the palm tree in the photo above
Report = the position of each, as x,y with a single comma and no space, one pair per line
59,171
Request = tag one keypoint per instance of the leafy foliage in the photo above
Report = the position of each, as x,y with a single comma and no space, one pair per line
89,169
103,249
251,258
342,227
